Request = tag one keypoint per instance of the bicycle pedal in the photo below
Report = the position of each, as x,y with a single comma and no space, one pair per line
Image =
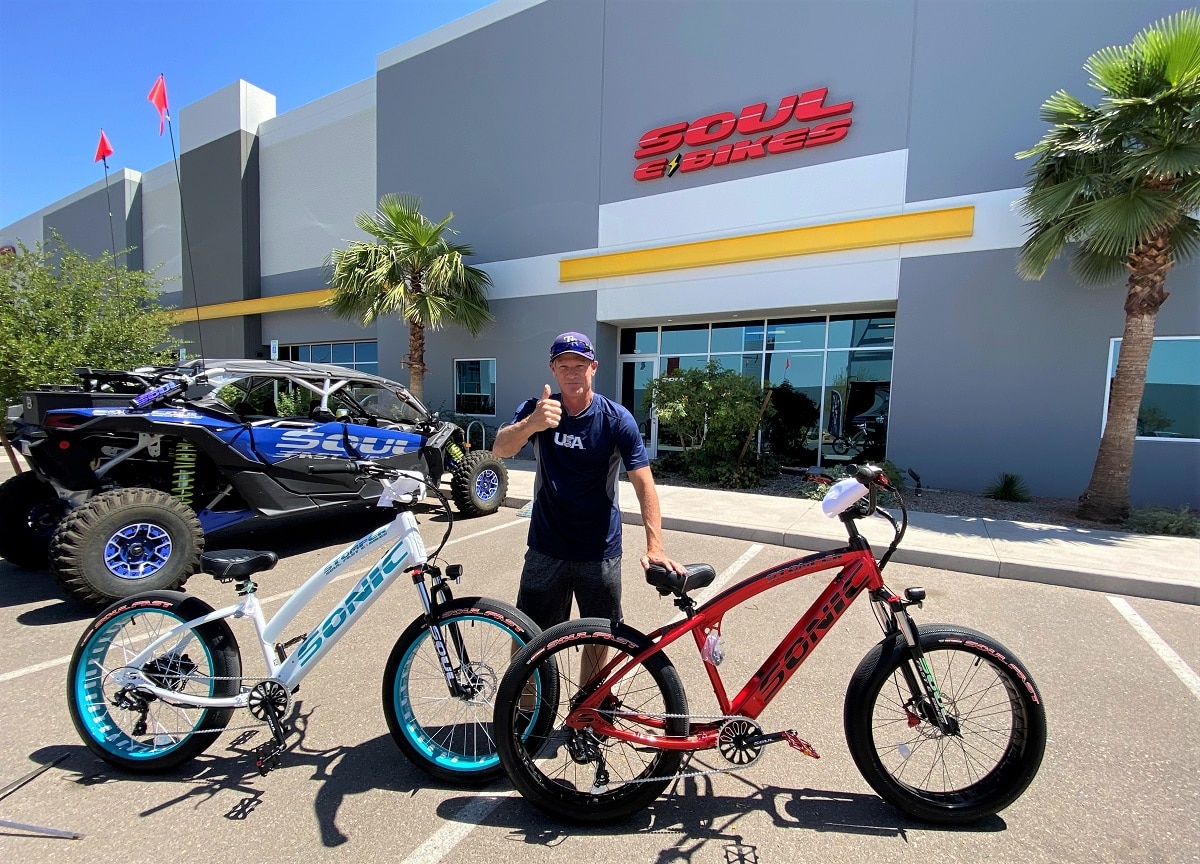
268,758
797,743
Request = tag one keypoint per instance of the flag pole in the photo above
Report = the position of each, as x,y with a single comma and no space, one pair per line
103,151
158,96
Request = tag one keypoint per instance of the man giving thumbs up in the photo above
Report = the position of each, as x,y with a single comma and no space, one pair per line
580,440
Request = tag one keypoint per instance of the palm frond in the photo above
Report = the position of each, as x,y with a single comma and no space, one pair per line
1046,241
1114,225
1096,269
1185,238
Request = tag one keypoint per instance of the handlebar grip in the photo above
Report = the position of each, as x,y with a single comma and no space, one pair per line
350,468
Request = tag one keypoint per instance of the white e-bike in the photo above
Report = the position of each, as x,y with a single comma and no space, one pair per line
157,676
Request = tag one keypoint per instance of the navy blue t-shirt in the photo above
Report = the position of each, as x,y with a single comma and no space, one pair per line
575,512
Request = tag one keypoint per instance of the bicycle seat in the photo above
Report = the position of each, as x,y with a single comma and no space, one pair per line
670,582
230,564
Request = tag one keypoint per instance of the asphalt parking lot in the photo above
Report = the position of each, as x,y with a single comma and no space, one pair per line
1119,782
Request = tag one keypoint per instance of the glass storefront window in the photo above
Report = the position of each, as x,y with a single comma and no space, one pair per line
795,334
639,340
670,364
1171,401
343,353
750,365
737,337
475,387
360,356
688,339
831,401
862,332
857,392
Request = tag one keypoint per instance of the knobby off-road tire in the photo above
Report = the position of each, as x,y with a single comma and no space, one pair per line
147,735
30,510
124,542
542,765
448,735
479,484
910,762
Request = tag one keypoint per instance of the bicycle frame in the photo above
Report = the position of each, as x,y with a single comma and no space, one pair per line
858,572
406,553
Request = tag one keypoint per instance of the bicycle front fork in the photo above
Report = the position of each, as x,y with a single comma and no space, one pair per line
431,600
927,703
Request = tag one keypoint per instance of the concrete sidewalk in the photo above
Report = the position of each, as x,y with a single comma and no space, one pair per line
1137,565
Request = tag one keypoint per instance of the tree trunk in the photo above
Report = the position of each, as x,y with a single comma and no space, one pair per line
416,360
1106,498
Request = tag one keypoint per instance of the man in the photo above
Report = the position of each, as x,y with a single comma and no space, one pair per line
580,439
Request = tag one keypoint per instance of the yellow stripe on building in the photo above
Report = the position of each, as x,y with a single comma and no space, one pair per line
282,303
945,224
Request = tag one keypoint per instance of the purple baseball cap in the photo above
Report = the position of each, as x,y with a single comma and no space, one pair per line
572,343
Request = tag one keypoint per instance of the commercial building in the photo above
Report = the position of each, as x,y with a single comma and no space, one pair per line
812,192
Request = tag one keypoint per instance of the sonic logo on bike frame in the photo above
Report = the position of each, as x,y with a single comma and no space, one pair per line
355,600
810,630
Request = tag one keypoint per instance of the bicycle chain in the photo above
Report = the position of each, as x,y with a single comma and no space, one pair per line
246,708
684,775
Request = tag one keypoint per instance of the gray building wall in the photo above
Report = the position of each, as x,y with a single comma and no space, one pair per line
84,224
511,143
995,373
980,72
220,237
669,62
520,340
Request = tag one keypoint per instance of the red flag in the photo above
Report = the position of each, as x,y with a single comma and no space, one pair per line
103,149
158,95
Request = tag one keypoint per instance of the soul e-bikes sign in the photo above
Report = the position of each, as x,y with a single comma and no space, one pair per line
800,120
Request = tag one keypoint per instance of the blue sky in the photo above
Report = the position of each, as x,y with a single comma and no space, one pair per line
69,68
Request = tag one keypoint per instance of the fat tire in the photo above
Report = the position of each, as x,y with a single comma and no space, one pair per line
479,484
988,679
99,722
77,550
541,657
462,753
29,512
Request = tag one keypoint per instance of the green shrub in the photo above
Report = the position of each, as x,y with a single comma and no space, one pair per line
1008,487
1163,520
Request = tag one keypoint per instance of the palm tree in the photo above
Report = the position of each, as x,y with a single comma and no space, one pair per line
1119,181
412,270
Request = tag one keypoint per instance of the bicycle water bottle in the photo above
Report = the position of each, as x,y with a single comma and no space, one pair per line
712,652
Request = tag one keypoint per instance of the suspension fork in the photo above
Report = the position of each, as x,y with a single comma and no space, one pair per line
431,602
918,675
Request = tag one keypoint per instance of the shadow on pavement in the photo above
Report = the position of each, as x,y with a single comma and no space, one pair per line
228,771
700,818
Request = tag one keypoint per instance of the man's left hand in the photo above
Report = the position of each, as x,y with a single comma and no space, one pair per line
662,560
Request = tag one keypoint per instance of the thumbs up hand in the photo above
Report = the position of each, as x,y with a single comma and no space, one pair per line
548,412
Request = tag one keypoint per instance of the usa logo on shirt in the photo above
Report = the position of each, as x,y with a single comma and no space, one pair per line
572,441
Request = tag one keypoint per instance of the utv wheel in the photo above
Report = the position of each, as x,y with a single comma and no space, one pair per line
30,510
479,484
124,542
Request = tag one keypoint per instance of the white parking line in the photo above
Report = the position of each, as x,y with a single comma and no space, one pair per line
1174,662
443,841
63,661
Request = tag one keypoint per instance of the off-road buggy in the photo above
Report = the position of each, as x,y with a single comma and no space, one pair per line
131,469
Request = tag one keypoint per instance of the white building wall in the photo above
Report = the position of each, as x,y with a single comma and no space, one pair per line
317,171
162,237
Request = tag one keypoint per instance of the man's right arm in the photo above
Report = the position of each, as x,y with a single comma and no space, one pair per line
544,414
511,438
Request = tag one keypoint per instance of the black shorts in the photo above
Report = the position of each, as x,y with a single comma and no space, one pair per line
548,584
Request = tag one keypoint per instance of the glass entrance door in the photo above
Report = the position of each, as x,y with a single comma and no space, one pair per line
636,375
